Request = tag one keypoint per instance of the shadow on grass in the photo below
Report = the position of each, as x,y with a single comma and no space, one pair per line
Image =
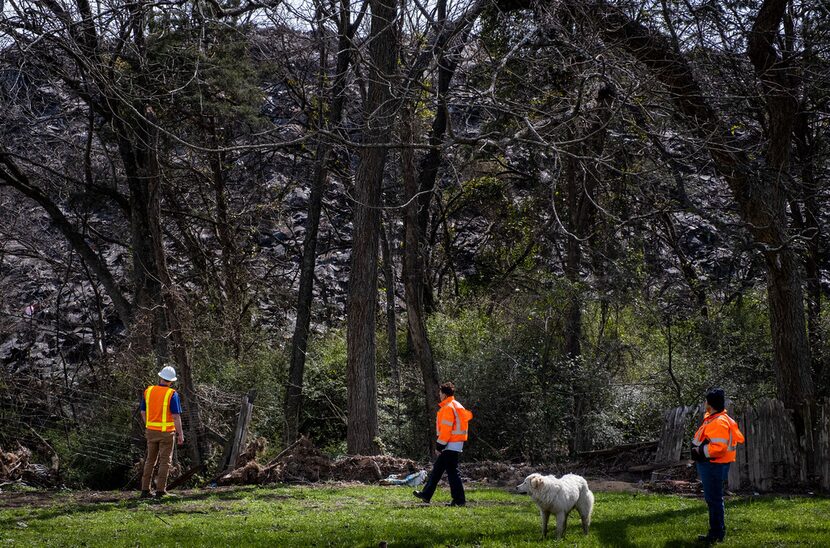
615,532
168,506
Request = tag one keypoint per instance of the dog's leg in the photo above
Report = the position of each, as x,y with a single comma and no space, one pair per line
545,515
586,521
561,524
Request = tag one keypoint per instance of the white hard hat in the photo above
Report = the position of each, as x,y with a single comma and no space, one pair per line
168,373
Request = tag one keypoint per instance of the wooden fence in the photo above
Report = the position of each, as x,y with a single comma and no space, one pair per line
770,457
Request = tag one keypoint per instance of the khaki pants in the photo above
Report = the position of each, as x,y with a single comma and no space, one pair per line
159,446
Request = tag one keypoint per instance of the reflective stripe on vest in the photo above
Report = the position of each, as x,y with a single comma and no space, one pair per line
164,425
731,446
457,421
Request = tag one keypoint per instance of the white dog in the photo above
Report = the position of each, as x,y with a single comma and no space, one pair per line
559,496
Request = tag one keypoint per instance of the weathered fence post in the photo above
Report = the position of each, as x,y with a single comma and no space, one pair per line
237,441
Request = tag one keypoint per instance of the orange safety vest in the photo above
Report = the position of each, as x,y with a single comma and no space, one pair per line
452,421
157,400
723,435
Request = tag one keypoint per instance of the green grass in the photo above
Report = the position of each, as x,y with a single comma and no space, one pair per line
363,516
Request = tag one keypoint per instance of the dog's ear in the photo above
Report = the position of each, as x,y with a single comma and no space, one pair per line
536,482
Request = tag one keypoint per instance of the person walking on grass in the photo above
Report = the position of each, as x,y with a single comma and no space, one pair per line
451,427
713,448
161,412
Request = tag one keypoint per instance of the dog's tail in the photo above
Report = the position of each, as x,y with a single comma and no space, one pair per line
585,505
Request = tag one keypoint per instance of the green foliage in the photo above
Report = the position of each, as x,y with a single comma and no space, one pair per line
225,82
510,371
365,516
324,391
261,367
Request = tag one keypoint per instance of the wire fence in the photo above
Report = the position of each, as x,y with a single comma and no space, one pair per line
98,423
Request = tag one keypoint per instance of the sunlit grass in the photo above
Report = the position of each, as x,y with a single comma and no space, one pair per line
365,516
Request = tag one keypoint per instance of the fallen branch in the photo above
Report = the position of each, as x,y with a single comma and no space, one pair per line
186,476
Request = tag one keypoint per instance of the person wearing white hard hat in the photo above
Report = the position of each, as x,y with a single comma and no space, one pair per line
161,412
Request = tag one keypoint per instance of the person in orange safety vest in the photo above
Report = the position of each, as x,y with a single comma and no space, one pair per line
161,413
451,424
714,447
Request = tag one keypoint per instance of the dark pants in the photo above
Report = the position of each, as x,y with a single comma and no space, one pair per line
446,461
712,476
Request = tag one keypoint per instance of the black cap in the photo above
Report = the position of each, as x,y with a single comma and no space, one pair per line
716,397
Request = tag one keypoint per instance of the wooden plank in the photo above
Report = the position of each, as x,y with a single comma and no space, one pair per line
825,445
237,435
754,433
734,477
770,446
665,435
680,433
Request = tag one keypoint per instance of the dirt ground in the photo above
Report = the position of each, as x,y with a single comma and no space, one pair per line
302,463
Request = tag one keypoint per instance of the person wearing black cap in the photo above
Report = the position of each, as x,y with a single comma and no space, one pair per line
713,448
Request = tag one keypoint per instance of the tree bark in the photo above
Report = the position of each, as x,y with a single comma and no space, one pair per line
414,250
582,182
232,285
391,324
362,425
299,340
138,144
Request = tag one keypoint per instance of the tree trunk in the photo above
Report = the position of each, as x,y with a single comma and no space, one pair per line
232,285
809,225
299,340
414,249
145,273
154,285
362,426
581,184
389,281
573,260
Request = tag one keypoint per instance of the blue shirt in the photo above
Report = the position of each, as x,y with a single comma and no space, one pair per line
175,404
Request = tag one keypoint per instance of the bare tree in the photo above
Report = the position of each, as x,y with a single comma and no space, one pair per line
336,96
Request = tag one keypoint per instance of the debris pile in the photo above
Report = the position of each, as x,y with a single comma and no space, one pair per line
254,448
303,462
300,462
674,487
14,463
370,469
500,473
17,466
631,457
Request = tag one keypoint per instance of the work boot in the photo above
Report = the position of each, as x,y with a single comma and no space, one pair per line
145,495
420,495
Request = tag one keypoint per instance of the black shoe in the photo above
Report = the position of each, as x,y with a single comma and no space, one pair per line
421,495
145,495
453,503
